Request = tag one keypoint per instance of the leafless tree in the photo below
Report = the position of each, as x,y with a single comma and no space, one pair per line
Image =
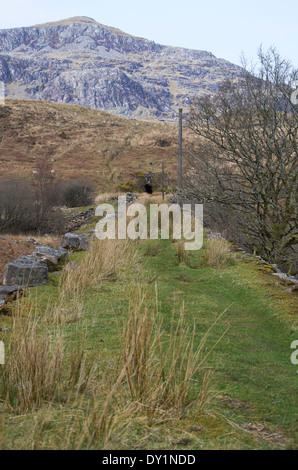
44,178
250,128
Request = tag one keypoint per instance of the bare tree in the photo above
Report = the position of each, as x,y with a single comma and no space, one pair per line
44,178
250,126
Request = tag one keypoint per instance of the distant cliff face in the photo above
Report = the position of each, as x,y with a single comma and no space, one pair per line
79,61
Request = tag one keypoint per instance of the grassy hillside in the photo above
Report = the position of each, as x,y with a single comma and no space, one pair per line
141,347
81,142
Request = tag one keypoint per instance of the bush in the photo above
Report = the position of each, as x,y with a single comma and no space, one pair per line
130,186
76,193
17,206
26,208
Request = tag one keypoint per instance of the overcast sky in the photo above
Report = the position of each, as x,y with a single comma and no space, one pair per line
224,27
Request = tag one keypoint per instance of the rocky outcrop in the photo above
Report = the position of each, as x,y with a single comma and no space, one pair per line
131,197
26,271
33,270
74,242
53,258
75,221
80,61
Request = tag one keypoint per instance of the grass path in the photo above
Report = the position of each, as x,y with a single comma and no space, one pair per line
251,365
253,383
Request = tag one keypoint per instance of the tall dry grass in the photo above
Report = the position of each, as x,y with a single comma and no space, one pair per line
217,254
40,365
183,256
161,374
33,370
160,366
105,261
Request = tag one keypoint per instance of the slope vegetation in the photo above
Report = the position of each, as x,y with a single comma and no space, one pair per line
82,142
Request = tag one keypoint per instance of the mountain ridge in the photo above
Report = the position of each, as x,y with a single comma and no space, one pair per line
80,61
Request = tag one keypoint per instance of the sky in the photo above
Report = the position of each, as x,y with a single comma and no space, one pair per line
227,28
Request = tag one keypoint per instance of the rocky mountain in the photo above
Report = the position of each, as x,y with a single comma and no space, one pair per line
80,61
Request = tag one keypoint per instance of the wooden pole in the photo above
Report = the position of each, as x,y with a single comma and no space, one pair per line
179,182
163,179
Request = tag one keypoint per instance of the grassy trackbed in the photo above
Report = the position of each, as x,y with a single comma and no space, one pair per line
250,401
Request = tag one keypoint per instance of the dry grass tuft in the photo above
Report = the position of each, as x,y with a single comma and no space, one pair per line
34,368
217,254
182,254
159,367
38,369
105,261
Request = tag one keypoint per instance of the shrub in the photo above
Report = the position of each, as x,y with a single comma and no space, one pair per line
130,186
76,193
17,206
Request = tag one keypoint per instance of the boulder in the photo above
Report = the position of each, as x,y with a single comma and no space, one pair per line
130,197
54,258
26,271
9,293
74,242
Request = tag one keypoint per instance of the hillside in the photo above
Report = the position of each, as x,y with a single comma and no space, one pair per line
80,61
82,142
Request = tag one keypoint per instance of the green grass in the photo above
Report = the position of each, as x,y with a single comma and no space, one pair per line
252,378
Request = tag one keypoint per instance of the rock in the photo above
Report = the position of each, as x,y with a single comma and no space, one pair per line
54,258
74,242
90,235
214,235
26,271
130,197
10,293
32,240
76,220
7,291
289,280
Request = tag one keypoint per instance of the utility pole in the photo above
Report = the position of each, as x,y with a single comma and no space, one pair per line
179,182
163,179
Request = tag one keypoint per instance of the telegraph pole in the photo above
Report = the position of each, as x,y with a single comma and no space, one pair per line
163,179
179,182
